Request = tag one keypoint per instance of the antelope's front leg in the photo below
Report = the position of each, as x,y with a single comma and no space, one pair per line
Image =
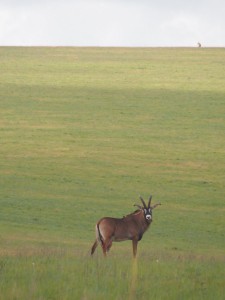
134,242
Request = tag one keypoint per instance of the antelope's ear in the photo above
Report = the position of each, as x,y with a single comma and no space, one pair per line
154,206
138,206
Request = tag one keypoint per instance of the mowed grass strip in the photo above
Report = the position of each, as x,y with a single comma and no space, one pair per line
83,132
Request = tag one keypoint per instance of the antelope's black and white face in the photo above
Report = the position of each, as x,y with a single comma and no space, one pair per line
148,214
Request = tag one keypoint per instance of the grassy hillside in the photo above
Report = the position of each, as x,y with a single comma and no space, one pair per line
83,132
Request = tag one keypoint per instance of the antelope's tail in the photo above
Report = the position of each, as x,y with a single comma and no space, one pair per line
98,234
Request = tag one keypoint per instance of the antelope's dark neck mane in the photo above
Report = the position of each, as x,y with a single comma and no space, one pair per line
136,212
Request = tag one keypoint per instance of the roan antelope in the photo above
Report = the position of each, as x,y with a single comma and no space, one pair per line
130,227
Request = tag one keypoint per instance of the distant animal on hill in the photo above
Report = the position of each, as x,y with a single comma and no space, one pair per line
130,227
199,45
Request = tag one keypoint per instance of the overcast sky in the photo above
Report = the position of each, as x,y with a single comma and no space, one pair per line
112,22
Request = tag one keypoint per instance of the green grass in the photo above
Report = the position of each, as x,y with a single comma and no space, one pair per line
83,132
55,275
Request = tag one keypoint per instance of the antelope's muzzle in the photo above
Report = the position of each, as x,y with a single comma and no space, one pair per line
148,217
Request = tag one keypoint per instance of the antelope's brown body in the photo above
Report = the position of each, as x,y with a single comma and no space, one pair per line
131,227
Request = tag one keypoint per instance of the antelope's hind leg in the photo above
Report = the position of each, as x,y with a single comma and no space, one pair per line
94,247
109,246
106,245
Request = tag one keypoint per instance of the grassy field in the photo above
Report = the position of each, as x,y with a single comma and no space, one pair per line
83,132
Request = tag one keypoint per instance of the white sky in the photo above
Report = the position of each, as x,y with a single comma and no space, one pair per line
112,22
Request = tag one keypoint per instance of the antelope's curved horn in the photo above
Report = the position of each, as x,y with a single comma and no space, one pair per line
142,200
139,206
149,201
155,205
